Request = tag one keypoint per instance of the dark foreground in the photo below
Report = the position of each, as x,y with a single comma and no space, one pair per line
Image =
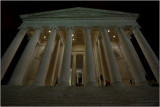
79,96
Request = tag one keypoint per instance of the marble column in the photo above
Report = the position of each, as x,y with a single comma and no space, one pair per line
45,60
51,65
137,57
101,62
20,70
147,51
64,76
74,70
111,60
10,52
90,70
96,69
135,67
97,65
84,70
61,60
58,64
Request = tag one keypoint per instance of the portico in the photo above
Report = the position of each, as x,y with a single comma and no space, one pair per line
101,37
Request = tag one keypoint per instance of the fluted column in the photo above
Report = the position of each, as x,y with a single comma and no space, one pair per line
74,70
10,52
147,51
136,69
90,70
111,60
64,76
44,63
20,69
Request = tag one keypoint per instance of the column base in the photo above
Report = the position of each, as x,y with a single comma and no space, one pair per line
117,84
91,84
62,84
142,83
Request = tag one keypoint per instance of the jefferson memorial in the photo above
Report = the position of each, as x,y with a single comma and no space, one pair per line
79,47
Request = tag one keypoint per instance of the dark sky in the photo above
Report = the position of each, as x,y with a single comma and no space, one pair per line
148,19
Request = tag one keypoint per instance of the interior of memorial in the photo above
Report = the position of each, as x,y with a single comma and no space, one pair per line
78,48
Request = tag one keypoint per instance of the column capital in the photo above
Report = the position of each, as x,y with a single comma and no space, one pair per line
87,27
37,27
69,27
119,27
23,27
53,27
134,27
104,27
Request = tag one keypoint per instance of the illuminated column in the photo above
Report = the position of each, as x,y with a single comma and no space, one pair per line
58,67
97,65
56,63
111,60
44,63
61,60
147,51
64,76
84,70
20,69
138,60
53,64
135,67
90,70
101,62
74,70
10,52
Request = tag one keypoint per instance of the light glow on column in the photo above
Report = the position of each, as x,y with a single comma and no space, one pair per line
44,36
72,34
108,30
73,39
49,31
114,36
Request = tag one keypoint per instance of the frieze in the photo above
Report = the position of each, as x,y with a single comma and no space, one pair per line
83,23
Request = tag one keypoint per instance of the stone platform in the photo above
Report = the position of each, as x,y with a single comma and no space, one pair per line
79,96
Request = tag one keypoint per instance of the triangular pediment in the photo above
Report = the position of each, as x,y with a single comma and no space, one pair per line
79,12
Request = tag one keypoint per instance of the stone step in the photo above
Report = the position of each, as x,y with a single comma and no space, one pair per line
84,96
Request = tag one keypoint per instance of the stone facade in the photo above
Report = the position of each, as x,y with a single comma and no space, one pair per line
79,45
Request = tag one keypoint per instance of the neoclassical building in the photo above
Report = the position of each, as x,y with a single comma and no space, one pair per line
79,46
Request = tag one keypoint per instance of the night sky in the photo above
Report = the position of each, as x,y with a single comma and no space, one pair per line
10,11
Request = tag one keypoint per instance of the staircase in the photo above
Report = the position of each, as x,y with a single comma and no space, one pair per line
79,96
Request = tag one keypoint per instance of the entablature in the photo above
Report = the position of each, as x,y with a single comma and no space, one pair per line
79,23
